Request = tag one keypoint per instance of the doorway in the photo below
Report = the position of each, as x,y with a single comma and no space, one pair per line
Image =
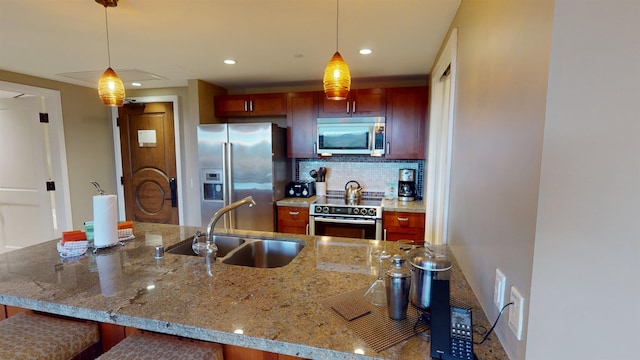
440,142
35,205
147,152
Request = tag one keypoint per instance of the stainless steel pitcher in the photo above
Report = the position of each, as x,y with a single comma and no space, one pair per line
426,266
397,281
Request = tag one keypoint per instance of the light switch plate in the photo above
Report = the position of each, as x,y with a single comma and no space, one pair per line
498,289
516,312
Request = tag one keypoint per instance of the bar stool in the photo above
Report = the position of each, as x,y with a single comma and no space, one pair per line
162,347
29,335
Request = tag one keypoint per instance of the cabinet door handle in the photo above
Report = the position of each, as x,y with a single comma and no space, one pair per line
384,235
250,105
388,147
245,106
347,107
307,230
403,219
294,213
354,107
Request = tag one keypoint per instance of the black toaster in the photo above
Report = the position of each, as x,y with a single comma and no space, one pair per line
301,189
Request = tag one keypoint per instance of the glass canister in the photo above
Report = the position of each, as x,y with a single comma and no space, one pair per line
397,282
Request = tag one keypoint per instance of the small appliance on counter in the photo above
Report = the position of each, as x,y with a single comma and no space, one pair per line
407,185
301,189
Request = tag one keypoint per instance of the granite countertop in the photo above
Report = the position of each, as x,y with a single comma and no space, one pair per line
278,310
387,204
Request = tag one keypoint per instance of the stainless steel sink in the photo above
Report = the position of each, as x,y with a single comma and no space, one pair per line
225,245
265,253
261,253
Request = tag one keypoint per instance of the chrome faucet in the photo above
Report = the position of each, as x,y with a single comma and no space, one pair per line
209,248
218,214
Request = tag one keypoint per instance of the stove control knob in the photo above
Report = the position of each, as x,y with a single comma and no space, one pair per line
356,211
372,212
318,209
325,210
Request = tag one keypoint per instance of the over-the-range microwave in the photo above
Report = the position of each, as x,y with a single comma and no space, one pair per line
354,135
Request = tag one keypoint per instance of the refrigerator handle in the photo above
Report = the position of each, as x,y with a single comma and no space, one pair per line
225,183
229,219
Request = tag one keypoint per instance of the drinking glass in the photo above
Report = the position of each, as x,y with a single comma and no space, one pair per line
377,294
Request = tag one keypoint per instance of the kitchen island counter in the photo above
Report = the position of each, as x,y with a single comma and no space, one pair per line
277,310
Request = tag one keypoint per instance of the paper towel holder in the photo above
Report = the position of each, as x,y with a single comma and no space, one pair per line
100,191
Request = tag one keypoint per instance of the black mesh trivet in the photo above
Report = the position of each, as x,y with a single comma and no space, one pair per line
376,328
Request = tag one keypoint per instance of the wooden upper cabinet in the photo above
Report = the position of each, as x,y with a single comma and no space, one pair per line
361,102
302,110
251,105
407,123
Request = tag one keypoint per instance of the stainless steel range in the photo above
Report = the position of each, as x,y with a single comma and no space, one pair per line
334,216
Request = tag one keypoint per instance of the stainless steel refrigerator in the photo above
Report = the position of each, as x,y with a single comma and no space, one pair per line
238,160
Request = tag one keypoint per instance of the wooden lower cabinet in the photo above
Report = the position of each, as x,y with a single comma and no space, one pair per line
403,225
293,219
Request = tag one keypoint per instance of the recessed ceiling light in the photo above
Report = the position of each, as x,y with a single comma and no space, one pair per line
365,51
136,84
229,61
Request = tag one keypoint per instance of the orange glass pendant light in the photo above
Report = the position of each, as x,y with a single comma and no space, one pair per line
337,78
110,87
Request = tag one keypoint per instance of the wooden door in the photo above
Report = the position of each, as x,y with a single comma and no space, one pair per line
268,104
369,102
332,108
360,102
149,162
231,105
301,125
407,122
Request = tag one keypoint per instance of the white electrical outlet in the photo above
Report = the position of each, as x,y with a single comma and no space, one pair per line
516,312
498,289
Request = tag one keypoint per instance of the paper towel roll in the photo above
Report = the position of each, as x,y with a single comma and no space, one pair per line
105,220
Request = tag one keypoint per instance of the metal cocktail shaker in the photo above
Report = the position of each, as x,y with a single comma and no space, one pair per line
397,281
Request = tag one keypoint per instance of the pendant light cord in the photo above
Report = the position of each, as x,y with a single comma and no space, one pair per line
106,24
337,22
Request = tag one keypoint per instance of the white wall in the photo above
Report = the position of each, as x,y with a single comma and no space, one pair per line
502,67
586,273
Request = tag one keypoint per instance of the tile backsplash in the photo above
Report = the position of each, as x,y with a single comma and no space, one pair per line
378,177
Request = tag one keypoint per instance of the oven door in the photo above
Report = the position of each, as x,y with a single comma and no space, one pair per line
345,227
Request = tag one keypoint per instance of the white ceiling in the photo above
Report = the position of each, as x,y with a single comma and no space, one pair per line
275,42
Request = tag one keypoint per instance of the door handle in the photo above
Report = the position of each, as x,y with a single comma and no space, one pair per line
174,192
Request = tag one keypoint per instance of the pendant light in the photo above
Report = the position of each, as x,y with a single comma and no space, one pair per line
337,78
110,87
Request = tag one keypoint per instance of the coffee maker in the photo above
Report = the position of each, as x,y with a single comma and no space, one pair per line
407,185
